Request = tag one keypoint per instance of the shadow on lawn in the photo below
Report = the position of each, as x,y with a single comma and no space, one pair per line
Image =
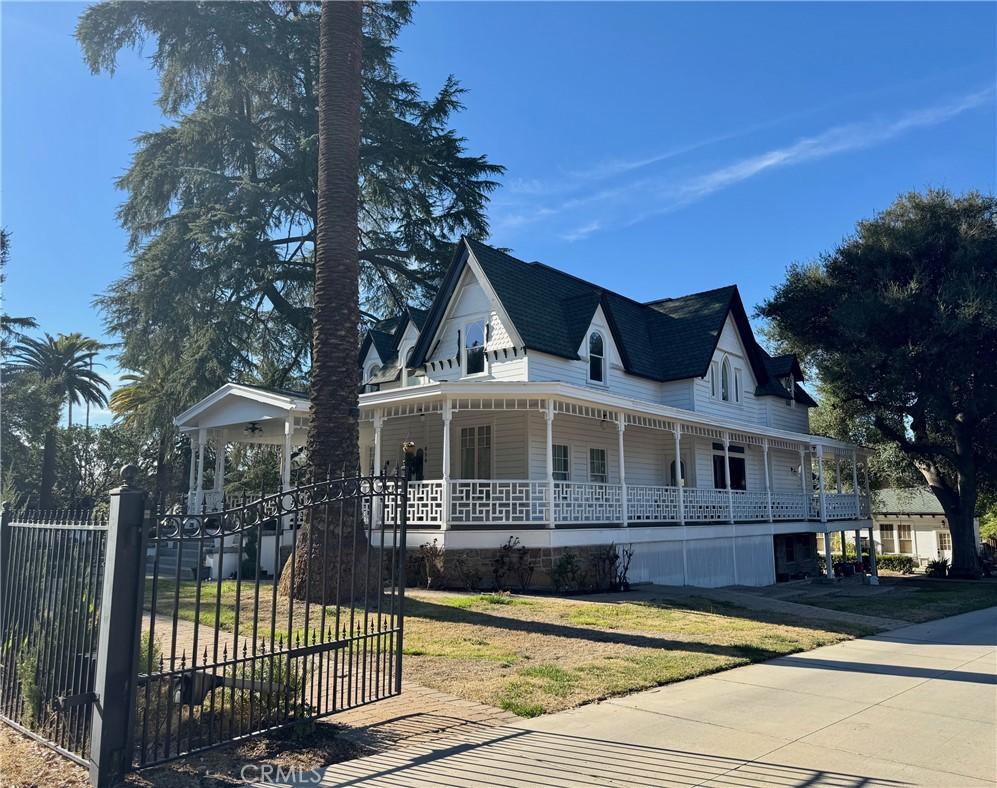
421,608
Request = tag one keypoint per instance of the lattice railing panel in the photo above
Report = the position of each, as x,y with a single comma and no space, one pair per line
586,502
497,501
652,504
789,506
750,505
841,506
703,504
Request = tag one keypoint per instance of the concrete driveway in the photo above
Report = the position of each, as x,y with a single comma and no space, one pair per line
916,705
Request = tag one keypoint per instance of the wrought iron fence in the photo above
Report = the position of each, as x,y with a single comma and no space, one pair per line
51,578
269,640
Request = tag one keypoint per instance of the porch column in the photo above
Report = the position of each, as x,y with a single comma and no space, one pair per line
828,555
868,495
873,579
678,473
858,544
378,467
820,485
855,487
621,425
447,415
730,495
285,456
768,483
220,445
549,418
803,484
193,468
837,473
202,438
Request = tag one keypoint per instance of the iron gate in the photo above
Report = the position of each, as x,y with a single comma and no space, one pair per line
238,654
51,577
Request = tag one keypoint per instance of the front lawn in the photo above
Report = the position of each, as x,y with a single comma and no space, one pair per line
910,598
532,655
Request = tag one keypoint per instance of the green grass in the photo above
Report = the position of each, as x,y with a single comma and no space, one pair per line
912,599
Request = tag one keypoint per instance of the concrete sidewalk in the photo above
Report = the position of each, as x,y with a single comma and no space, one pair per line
916,705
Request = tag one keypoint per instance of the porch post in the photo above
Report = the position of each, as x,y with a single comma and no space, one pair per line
855,486
378,424
621,426
549,418
202,438
378,466
447,414
219,461
193,470
873,579
730,495
858,544
803,485
285,456
828,555
820,485
868,494
768,483
837,473
678,472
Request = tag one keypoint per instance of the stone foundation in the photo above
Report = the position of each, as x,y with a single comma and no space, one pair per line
562,569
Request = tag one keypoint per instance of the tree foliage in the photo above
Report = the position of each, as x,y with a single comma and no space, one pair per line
900,321
221,202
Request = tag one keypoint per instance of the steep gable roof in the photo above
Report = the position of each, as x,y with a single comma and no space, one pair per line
668,339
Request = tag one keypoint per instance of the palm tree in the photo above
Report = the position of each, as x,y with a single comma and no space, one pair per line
63,364
333,436
144,405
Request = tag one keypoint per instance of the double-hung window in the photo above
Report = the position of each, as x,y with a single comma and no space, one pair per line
597,466
561,466
597,358
476,452
474,348
904,539
887,538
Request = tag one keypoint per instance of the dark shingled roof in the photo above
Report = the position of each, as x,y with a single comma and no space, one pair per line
387,333
668,339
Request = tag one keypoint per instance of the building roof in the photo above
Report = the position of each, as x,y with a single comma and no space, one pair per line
667,339
905,500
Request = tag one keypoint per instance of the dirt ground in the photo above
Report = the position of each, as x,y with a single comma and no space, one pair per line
26,764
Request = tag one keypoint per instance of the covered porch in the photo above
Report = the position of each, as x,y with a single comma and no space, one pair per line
542,455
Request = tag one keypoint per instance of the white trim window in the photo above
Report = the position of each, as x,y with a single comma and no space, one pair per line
476,452
597,358
887,538
905,539
598,467
473,349
714,375
371,369
562,462
737,384
725,386
944,542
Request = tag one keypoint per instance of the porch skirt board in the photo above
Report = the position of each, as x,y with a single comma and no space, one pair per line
707,563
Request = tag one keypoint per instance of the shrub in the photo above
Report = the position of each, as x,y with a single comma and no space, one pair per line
937,568
896,563
523,568
602,563
433,557
468,572
566,573
622,582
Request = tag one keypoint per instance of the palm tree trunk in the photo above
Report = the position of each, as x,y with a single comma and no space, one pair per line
69,415
333,437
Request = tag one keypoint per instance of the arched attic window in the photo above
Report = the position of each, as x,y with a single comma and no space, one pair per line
725,382
597,358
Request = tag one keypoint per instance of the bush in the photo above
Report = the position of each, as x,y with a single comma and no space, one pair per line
896,563
937,568
468,572
433,557
566,573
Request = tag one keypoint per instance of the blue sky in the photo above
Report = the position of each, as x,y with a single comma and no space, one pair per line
656,149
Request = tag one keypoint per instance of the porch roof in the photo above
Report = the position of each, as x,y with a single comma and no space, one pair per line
237,407
469,395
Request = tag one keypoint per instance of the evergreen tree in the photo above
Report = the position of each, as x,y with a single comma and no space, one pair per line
222,201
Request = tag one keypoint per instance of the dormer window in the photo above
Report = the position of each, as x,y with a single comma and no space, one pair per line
597,358
474,348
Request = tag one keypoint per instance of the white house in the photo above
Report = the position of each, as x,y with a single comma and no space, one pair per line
911,522
539,405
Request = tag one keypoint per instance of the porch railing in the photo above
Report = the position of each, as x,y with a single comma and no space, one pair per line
587,502
525,501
